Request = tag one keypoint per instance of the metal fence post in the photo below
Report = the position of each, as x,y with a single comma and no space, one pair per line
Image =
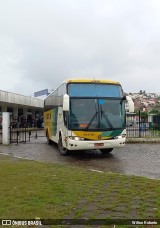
17,136
29,135
139,123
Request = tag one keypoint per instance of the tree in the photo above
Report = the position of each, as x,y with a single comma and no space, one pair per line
154,111
144,114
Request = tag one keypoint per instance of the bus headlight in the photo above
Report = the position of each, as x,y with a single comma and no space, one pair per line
120,137
76,138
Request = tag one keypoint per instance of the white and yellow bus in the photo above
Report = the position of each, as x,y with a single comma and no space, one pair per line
86,114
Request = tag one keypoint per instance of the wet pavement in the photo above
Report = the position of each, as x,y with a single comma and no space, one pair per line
140,159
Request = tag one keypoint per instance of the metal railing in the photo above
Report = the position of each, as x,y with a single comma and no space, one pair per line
143,130
23,131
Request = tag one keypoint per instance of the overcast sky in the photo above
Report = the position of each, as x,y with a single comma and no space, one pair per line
44,42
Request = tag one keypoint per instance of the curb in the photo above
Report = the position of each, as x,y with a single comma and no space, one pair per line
143,140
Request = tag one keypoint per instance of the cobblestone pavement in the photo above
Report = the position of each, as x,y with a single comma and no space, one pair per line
140,159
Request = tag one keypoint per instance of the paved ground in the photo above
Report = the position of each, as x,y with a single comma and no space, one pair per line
141,159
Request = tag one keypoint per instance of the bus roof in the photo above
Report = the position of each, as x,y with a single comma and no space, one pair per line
83,80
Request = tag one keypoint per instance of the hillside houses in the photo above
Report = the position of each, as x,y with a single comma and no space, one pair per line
146,101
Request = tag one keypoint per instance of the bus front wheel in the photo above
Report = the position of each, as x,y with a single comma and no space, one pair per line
106,151
62,150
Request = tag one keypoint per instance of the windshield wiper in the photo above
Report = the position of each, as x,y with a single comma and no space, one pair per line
92,119
106,118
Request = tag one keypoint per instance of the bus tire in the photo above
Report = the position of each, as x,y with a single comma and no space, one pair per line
106,151
62,150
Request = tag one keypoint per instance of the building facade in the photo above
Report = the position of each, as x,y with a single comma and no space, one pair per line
21,107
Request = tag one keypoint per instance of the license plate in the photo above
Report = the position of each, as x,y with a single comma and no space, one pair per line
98,144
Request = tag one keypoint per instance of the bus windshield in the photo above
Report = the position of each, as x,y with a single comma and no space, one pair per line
96,114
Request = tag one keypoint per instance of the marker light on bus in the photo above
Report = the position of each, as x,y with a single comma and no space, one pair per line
120,137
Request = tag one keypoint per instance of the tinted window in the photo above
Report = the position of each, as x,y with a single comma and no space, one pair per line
94,90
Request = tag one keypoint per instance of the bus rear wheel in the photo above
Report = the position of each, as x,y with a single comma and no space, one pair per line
106,151
62,150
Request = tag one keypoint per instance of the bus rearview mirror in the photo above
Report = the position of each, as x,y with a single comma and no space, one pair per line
66,102
129,104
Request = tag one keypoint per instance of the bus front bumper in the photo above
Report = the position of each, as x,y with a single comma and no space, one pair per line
98,144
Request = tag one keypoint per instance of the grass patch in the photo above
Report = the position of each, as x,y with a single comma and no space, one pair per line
32,189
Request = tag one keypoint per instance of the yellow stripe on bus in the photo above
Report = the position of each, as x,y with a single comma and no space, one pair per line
91,81
90,135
